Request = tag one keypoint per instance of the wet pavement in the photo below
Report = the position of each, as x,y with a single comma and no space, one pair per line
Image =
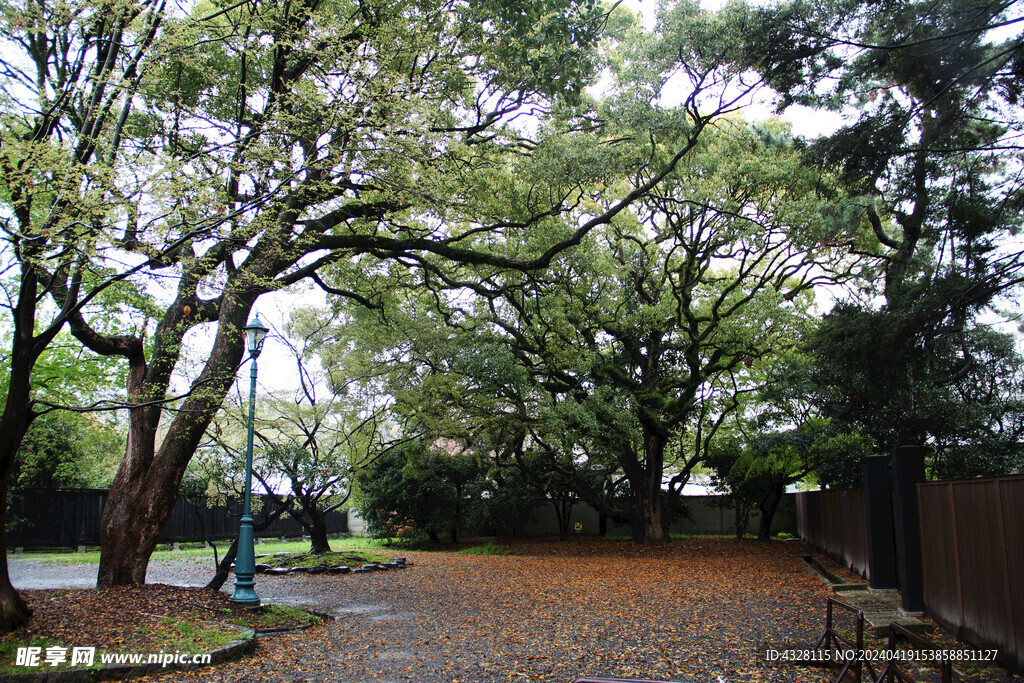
26,572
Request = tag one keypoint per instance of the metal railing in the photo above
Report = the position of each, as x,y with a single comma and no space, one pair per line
850,651
840,649
892,672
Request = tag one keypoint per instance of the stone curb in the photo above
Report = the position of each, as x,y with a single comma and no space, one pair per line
119,672
877,618
837,583
316,570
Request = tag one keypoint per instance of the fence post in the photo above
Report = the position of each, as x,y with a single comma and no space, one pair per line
907,473
878,515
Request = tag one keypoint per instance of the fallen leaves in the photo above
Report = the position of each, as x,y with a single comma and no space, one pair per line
699,609
127,619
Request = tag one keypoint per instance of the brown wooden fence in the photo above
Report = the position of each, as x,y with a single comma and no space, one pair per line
44,517
972,540
835,522
972,543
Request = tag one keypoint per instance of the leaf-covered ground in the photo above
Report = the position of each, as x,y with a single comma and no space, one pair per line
698,609
144,619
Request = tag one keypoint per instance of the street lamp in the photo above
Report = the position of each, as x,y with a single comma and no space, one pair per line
245,559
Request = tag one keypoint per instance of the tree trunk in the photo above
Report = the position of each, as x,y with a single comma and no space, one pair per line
142,495
14,424
742,516
224,568
563,513
318,543
670,505
13,609
768,508
648,527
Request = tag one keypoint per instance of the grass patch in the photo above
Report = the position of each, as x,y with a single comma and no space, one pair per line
9,654
489,548
190,635
349,558
269,617
164,553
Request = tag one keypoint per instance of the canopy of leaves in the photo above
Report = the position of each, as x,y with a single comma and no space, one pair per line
419,490
64,450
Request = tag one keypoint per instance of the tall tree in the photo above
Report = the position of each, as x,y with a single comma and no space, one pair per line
325,134
70,73
634,347
630,141
646,336
931,147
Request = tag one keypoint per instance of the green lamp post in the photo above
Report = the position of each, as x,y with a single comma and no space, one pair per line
245,561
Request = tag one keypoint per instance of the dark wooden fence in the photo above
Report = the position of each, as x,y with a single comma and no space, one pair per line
972,543
835,522
41,517
972,540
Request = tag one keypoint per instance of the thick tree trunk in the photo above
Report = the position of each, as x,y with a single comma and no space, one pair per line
131,526
768,507
124,521
318,543
13,609
14,424
142,495
648,526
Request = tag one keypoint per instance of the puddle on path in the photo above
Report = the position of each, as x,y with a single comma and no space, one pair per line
359,609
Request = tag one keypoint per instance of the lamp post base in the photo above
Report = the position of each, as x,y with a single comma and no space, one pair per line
245,563
244,594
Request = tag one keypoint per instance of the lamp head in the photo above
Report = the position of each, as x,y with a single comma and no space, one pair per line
255,333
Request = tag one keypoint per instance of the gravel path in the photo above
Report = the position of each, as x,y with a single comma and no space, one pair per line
28,573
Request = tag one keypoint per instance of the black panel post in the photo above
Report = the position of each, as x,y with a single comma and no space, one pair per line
907,473
878,515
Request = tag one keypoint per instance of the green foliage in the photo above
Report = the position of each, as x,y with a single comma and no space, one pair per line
489,548
954,390
419,489
233,151
66,450
930,153
755,466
